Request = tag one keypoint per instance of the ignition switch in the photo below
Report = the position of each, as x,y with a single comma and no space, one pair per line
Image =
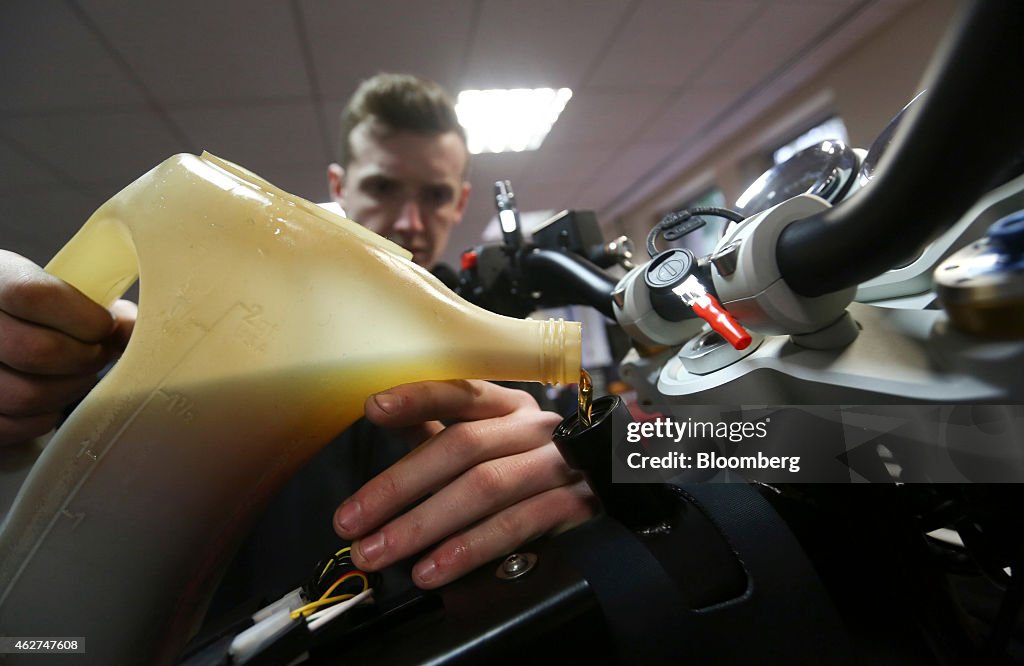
677,293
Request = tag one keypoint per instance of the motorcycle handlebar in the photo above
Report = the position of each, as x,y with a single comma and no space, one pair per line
962,140
569,279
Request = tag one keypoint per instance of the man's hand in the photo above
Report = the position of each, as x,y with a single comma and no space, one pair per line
496,478
53,341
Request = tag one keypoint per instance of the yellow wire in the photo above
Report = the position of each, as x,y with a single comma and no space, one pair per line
323,601
332,562
351,574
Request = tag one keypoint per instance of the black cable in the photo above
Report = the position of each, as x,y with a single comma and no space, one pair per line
682,217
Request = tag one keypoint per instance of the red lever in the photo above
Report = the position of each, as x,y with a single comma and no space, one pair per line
469,258
710,310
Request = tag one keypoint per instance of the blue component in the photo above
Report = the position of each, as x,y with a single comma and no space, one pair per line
1007,240
1007,235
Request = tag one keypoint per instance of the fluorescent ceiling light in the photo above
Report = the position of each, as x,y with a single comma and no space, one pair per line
499,121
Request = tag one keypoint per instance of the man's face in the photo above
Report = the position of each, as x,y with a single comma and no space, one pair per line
405,186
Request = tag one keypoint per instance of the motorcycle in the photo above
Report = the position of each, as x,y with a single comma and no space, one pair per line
866,308
872,304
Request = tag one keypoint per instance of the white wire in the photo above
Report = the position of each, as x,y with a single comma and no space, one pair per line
291,601
253,640
320,618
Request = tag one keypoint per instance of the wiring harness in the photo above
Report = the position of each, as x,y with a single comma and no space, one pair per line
337,586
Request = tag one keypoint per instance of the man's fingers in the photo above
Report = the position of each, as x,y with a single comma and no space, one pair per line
484,490
53,341
23,429
552,511
463,400
37,349
28,293
33,395
125,314
441,459
496,477
415,435
48,327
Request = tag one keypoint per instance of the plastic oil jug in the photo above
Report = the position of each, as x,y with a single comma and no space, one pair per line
264,323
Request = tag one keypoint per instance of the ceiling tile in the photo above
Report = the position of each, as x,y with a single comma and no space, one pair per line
871,19
350,41
331,111
19,170
71,100
486,168
308,181
522,43
550,194
688,113
605,117
781,32
224,50
571,164
256,137
838,4
629,167
666,41
98,148
49,60
36,221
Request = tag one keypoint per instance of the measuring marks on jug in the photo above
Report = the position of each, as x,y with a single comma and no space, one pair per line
119,428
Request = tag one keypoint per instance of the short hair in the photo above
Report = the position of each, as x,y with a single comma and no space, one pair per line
398,102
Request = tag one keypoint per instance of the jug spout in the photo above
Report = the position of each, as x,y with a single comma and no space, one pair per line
264,323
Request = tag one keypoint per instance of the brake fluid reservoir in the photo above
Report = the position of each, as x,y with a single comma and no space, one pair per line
264,323
982,285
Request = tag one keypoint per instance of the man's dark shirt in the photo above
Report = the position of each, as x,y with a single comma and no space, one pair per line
296,530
